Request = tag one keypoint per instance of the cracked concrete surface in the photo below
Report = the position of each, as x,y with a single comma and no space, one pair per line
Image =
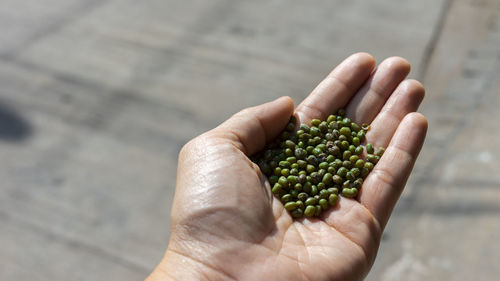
97,97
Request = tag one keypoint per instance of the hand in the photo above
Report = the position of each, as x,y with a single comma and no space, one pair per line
227,225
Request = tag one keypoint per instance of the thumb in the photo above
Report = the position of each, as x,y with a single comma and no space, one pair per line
251,128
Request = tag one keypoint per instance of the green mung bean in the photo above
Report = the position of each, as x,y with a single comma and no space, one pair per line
349,192
290,206
333,199
285,172
318,210
369,148
310,210
315,122
323,203
286,198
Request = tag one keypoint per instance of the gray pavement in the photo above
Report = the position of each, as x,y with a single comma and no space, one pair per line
97,97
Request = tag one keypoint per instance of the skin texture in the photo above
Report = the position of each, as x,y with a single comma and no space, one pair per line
227,225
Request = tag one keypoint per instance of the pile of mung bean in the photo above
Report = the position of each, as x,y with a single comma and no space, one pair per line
310,167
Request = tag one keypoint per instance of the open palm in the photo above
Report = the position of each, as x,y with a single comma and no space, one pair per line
227,225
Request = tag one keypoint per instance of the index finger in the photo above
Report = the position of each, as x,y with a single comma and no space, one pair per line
337,88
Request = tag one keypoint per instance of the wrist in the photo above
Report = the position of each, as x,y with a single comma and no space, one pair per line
177,266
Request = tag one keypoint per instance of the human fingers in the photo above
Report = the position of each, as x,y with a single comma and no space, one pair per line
366,104
405,99
386,181
337,88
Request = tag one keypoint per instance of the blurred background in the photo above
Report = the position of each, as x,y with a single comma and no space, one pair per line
98,96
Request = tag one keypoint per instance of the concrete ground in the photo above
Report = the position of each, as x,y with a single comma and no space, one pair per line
98,96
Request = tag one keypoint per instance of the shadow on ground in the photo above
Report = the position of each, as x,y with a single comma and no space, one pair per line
13,127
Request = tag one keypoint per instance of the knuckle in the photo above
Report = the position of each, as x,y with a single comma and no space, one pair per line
192,145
